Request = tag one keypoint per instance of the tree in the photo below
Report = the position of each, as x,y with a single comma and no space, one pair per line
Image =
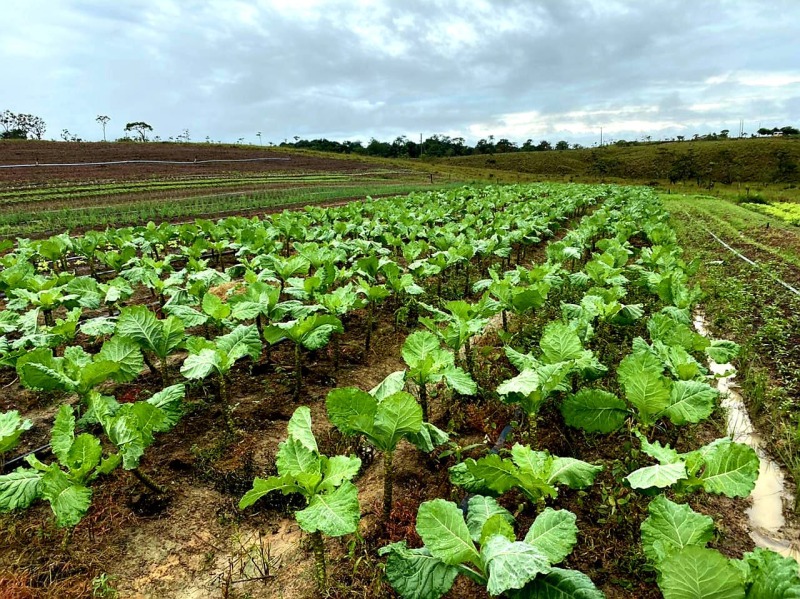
20,126
258,135
562,145
103,120
140,128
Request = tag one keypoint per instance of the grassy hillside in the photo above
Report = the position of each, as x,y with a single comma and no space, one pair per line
760,160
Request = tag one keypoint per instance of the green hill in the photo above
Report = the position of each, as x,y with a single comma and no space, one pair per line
762,160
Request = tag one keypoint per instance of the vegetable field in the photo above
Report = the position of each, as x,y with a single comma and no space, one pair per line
469,392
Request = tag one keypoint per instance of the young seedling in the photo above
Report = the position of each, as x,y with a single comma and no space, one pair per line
331,499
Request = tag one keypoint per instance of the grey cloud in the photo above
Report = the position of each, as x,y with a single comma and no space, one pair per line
229,69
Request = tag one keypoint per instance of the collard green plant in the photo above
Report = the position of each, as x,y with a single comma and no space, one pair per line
429,363
11,428
218,357
484,548
534,473
674,539
331,499
722,467
157,338
311,332
64,484
383,419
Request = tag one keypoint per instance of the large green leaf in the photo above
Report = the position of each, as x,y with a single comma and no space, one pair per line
595,411
83,456
11,428
442,528
199,366
296,459
187,315
670,527
560,343
126,354
479,510
428,438
396,416
215,307
660,476
334,514
771,576
63,433
336,470
170,401
300,428
731,469
69,501
393,383
699,573
554,533
497,473
241,341
511,565
690,401
576,474
721,351
560,584
19,489
645,387
415,573
262,486
418,347
350,409
141,325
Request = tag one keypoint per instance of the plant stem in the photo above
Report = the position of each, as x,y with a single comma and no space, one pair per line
227,413
370,317
388,483
423,400
336,351
298,371
149,482
318,546
149,363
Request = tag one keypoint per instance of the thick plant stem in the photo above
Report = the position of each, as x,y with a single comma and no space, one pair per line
318,546
48,317
470,361
466,280
370,318
149,363
423,400
388,484
164,373
227,413
505,321
336,351
298,372
149,482
66,539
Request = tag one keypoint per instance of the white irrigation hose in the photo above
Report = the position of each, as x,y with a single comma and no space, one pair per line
753,263
37,164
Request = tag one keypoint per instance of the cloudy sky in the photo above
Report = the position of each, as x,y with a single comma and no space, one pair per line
355,69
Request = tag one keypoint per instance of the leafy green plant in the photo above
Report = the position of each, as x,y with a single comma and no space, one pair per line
534,473
674,539
383,419
428,363
159,338
722,467
11,428
312,332
218,357
484,548
64,484
332,500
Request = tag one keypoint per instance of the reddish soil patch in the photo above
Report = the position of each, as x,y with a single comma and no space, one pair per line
42,152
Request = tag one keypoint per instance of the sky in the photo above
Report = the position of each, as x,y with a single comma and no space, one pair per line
356,69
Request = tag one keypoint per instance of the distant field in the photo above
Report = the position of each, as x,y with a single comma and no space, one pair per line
763,160
176,181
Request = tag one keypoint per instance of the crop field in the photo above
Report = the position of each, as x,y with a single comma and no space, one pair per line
496,390
80,186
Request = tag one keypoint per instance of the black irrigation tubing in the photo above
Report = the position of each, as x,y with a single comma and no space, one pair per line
754,264
39,452
112,162
496,448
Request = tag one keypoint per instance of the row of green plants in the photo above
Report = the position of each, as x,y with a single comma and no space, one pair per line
303,272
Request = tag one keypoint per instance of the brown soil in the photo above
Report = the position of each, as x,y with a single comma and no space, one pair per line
44,152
